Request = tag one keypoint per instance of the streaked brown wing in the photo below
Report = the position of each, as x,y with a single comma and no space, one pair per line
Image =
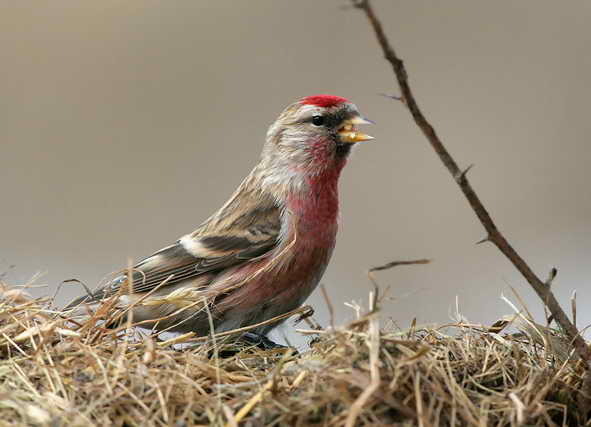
175,261
239,237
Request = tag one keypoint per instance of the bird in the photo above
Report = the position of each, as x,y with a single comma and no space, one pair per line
265,250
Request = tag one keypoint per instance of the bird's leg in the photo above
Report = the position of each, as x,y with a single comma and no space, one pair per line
261,341
249,339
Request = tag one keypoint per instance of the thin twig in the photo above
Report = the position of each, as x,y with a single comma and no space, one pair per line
328,304
397,263
493,234
387,266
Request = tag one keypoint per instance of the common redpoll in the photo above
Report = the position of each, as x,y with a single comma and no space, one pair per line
264,252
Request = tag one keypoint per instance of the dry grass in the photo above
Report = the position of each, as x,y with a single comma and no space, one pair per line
53,372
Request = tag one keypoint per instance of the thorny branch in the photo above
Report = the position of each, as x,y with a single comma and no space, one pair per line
493,234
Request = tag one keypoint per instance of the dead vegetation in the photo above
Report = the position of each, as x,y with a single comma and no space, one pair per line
54,372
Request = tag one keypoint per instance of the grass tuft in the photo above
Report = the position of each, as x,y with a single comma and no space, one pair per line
54,371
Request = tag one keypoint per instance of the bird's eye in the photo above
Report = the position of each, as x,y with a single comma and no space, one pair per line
317,120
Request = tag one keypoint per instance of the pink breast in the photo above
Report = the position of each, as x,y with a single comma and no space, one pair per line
293,270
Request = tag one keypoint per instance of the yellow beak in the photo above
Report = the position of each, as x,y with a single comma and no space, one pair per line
349,133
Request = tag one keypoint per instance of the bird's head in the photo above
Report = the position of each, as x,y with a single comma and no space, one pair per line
312,136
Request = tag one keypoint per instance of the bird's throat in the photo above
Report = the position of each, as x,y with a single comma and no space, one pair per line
316,205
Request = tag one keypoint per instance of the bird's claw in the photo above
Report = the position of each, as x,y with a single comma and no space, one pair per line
261,341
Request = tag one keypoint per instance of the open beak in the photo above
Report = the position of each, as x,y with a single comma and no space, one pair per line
349,133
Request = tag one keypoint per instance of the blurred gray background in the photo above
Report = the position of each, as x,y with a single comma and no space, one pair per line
125,124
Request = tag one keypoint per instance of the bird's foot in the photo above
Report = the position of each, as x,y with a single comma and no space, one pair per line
261,341
251,339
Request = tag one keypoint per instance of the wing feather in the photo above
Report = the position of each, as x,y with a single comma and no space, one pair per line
237,234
